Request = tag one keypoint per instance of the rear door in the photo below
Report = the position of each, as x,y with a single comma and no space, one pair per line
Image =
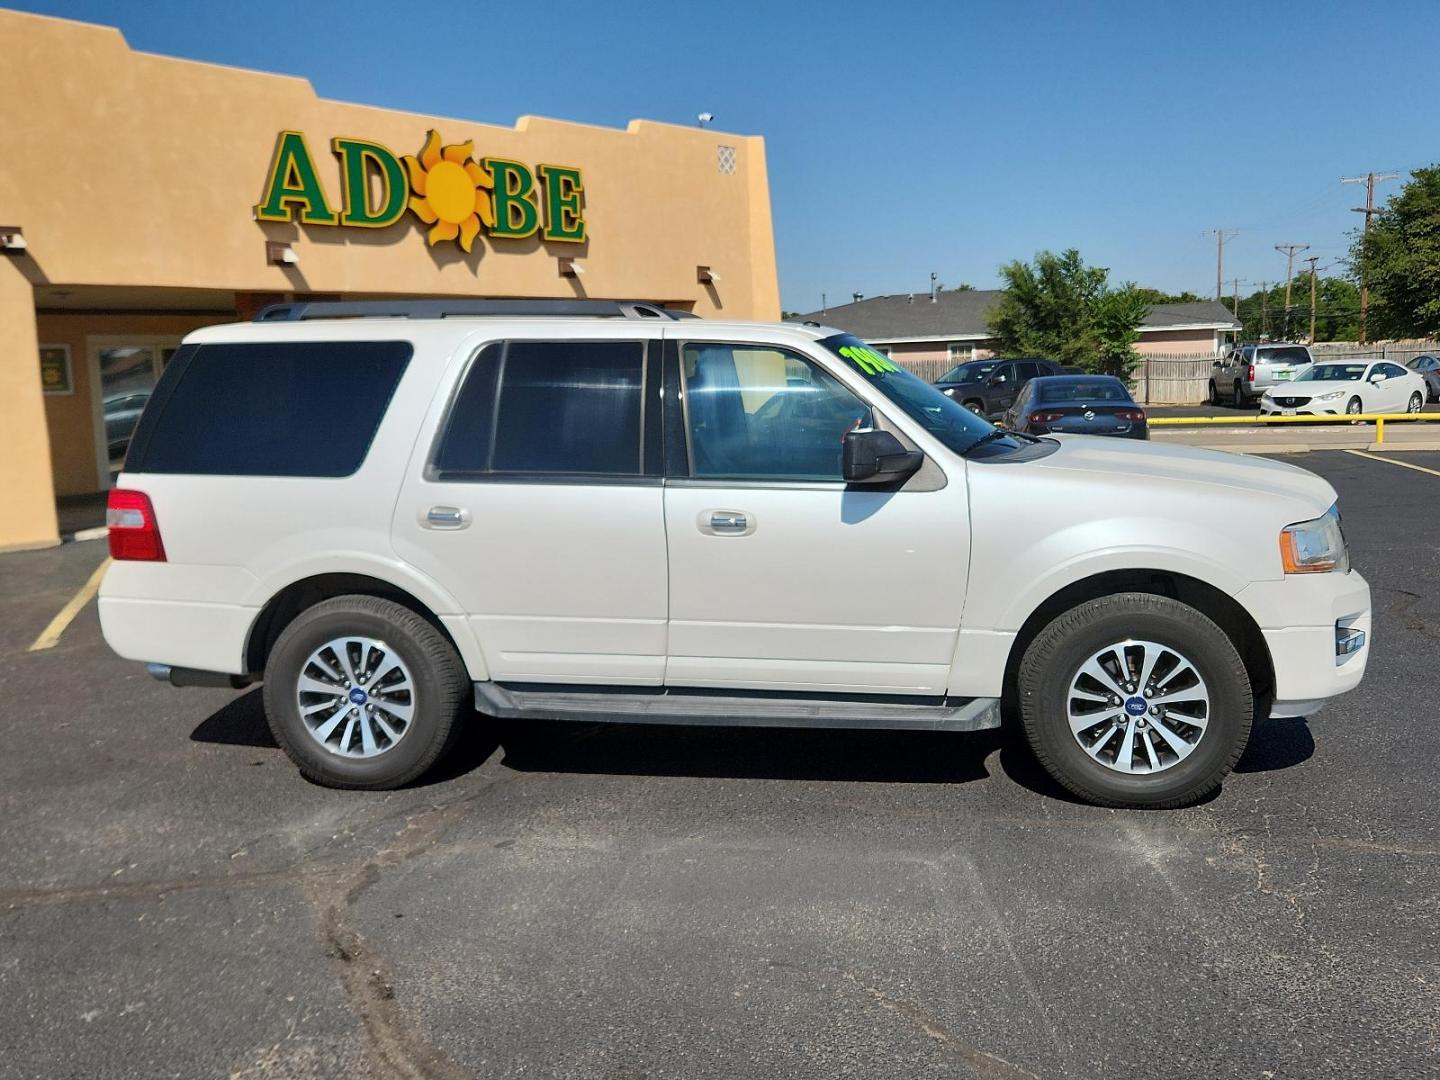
539,505
781,576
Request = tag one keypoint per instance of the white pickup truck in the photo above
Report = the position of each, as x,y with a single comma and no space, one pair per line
1250,370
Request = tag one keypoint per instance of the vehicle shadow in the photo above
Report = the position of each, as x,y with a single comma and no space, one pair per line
1277,744
910,757
239,722
901,757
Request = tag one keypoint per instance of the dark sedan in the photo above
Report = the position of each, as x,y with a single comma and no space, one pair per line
1077,405
988,387
1429,366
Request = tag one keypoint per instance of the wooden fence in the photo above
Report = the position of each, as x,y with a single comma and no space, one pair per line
1158,380
1180,379
1401,352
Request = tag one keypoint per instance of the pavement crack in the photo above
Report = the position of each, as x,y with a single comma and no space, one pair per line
393,1044
987,1066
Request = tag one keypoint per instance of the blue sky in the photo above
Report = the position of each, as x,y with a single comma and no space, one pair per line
946,136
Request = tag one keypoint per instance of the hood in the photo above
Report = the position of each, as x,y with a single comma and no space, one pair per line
1144,464
1314,387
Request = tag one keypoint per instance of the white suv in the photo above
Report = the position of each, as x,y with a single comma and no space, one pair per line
399,513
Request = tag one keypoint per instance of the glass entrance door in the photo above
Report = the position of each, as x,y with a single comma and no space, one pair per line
127,371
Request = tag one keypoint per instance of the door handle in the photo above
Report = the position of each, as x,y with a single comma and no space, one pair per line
446,517
726,522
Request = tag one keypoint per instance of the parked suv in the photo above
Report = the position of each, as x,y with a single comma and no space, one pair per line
1250,370
988,387
597,511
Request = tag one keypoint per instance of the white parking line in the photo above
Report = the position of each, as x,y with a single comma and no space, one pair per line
1391,461
50,636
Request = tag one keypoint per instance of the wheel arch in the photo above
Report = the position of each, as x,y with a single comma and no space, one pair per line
304,593
1223,609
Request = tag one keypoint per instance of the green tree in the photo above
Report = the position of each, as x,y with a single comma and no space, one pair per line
1400,259
1337,311
1058,307
1155,296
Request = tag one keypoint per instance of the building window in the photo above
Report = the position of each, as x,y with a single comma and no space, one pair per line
958,354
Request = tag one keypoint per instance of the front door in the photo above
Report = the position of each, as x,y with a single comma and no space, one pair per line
781,576
539,508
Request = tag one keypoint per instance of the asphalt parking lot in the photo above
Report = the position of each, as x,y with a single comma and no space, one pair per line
626,902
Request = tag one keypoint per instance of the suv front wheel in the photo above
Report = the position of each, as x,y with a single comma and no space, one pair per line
1135,700
362,692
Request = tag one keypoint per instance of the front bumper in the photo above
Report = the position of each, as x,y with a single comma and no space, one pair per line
1302,618
1313,408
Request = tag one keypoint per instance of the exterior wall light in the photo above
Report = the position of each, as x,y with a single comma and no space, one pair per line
705,276
278,254
569,267
12,240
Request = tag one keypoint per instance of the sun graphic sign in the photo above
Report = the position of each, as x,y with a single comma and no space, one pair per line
446,187
452,193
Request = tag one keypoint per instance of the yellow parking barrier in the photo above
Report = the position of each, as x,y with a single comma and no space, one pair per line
1378,419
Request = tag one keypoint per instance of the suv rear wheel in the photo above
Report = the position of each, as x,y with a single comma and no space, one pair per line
361,692
1135,700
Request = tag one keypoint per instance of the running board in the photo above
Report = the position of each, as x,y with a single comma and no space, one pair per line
648,705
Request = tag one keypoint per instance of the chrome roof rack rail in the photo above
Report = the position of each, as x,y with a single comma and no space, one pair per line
443,309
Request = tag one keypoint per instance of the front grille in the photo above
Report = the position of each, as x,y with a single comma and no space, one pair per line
1292,402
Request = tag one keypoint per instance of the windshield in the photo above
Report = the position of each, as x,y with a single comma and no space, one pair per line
971,371
1051,391
1333,373
950,422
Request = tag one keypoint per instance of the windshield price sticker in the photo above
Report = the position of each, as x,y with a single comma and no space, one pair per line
867,359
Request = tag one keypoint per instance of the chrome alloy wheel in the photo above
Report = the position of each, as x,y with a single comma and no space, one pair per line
1138,707
356,697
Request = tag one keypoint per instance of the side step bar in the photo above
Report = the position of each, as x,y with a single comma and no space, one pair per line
648,705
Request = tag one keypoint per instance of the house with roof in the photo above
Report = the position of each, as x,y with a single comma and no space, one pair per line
952,327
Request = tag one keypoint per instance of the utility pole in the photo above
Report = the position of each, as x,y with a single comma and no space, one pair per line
1221,235
1312,260
1264,295
1289,251
1369,180
1235,299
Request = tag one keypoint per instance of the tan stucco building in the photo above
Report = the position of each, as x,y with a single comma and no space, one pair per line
143,196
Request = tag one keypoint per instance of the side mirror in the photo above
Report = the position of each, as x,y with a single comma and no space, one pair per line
1378,377
871,456
996,380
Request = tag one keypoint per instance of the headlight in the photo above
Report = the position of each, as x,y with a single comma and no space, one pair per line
949,391
1315,547
1334,395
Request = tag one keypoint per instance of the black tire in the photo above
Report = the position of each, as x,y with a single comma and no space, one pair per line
1238,398
1215,394
978,408
1416,404
441,695
1054,658
1353,407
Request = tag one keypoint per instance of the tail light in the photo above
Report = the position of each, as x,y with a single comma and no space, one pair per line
134,532
1135,416
1045,417
1250,373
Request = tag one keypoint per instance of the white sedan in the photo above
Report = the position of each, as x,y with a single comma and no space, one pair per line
1347,386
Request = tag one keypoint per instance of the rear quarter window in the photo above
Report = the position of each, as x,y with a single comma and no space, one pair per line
268,408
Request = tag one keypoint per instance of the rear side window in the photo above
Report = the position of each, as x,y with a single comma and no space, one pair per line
556,407
268,409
